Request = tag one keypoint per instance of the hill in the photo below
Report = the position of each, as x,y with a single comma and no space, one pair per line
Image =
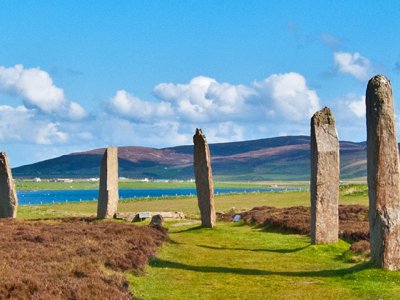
279,158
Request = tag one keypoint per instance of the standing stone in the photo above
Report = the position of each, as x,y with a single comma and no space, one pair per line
324,178
204,181
383,175
108,190
8,195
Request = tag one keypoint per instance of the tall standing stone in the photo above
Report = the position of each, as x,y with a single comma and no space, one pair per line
108,189
204,181
324,178
8,195
383,175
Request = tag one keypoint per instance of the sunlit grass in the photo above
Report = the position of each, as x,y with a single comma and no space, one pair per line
240,262
29,185
187,205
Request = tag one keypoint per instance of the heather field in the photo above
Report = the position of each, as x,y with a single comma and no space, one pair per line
73,258
267,254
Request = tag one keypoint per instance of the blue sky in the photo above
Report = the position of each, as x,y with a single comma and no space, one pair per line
78,75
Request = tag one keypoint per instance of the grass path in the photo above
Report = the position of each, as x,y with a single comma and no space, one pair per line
236,261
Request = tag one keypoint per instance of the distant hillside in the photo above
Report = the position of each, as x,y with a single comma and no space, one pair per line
280,158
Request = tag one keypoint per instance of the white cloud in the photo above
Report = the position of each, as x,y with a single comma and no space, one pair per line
49,133
223,132
204,99
287,96
225,111
357,105
353,64
116,131
130,107
23,125
37,90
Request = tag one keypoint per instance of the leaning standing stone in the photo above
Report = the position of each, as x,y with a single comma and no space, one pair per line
204,181
383,175
8,195
324,178
108,190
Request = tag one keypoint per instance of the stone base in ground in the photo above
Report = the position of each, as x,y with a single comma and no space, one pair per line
140,216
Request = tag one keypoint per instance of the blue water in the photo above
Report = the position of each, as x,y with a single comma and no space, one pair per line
59,196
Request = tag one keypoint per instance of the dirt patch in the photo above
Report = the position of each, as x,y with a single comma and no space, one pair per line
73,258
353,220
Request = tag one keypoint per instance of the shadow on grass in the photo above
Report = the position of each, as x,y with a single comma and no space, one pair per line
171,241
190,229
280,230
160,263
283,251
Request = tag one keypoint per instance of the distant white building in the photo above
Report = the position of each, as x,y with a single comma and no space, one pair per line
64,180
37,179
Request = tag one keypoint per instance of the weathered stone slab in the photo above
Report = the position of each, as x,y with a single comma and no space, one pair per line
157,220
204,181
108,189
383,175
324,178
127,216
170,215
8,195
167,215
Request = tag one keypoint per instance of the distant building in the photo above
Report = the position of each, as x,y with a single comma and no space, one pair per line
68,180
37,179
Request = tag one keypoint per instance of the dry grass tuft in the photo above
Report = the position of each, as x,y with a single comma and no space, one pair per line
72,258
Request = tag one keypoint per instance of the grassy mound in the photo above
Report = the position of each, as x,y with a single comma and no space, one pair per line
353,220
72,258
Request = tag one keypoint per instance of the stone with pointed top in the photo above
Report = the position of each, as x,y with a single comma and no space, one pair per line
324,178
204,181
8,195
383,175
108,188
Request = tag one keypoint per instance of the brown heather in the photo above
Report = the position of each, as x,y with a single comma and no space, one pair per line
72,258
353,220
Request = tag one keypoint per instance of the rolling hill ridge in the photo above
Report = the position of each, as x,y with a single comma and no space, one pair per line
279,158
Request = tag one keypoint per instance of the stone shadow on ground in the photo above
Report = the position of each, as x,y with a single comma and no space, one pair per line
283,251
190,229
161,263
171,241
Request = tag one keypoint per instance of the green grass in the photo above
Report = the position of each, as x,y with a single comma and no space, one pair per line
236,261
29,185
188,205
239,262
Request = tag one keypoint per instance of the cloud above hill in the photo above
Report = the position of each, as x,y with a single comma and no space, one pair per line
20,124
132,108
287,96
279,104
204,99
36,89
225,111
